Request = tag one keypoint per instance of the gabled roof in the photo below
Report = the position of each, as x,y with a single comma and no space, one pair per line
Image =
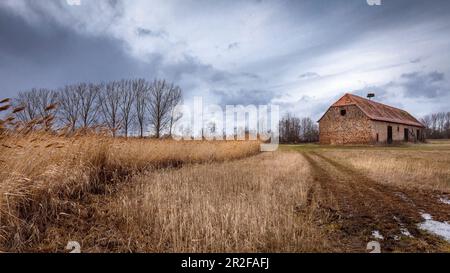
378,111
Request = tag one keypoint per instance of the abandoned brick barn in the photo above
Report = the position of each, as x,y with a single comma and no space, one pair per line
356,120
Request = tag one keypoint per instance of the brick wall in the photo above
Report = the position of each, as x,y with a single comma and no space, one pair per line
351,128
398,131
354,127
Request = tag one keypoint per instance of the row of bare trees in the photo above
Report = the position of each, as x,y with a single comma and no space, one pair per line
297,130
437,125
126,107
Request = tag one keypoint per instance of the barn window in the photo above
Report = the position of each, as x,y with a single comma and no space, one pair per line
398,128
343,112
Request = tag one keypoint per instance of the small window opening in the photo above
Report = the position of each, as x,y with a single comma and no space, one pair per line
343,112
398,128
378,138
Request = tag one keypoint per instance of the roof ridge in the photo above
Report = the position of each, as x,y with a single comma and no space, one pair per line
371,101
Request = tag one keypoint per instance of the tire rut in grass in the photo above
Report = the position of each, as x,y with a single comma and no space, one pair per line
363,206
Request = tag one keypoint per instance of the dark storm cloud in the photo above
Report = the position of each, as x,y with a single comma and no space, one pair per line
189,70
297,48
192,67
49,55
429,85
341,23
244,97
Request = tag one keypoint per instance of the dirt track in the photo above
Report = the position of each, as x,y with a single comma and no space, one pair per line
355,206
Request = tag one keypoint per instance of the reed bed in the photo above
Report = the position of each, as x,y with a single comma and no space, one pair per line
44,176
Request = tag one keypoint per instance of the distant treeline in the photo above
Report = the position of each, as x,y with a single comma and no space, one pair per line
297,130
132,107
437,125
122,107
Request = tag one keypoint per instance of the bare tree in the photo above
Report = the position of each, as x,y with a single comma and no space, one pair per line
89,105
36,103
290,129
126,104
69,106
139,88
447,125
117,105
437,125
46,99
177,97
310,131
296,130
110,101
163,99
27,100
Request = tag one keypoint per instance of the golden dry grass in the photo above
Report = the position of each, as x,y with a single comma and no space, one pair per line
427,169
248,205
243,206
141,195
41,174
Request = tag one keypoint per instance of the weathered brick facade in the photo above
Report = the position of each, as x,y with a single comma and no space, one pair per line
352,128
350,122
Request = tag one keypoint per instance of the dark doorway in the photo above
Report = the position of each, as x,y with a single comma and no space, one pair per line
406,138
389,135
419,138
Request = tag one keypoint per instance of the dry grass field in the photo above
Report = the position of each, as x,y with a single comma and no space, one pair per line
415,166
119,195
241,206
409,169
45,177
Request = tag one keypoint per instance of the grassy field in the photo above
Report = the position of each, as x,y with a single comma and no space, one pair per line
118,195
412,165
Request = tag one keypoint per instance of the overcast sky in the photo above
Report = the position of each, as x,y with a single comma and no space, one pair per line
301,55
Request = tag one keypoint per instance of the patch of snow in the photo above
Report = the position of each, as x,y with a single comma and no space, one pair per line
445,200
439,228
377,235
427,216
405,232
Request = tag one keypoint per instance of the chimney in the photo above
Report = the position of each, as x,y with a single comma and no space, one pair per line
370,96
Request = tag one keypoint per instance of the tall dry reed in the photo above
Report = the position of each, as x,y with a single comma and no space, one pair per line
43,175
